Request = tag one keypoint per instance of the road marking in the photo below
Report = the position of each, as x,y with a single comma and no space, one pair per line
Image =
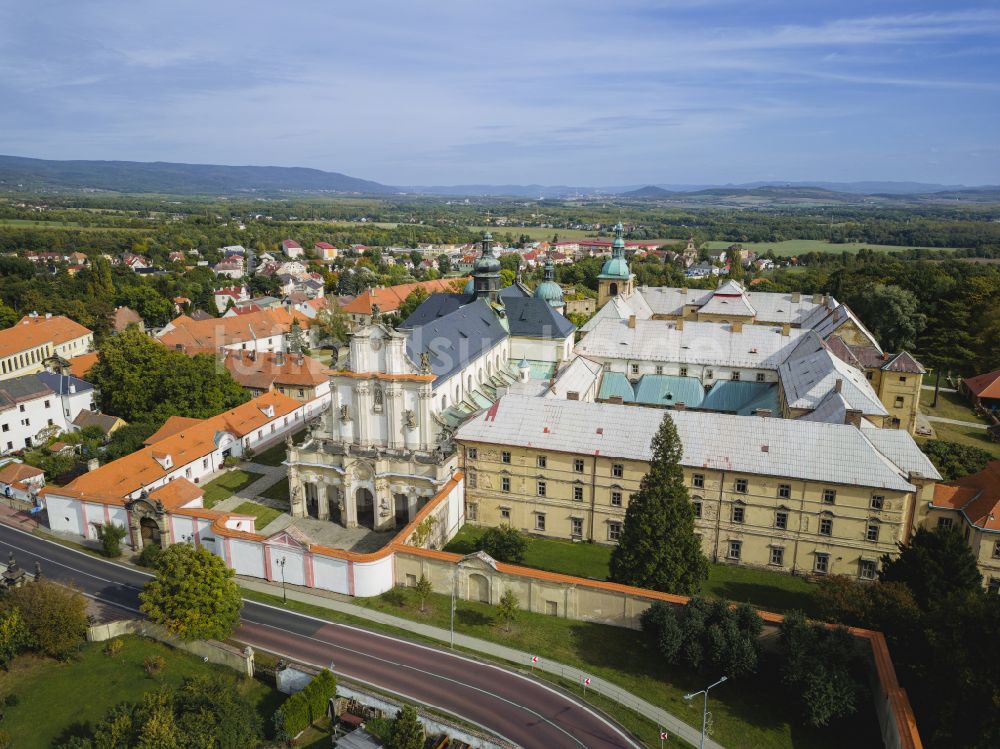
73,569
367,632
441,651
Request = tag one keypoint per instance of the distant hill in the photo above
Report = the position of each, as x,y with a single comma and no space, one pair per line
17,173
649,191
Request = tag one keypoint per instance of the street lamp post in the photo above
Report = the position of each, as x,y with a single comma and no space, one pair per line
704,712
281,564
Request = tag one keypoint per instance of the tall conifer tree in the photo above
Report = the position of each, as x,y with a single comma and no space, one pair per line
658,548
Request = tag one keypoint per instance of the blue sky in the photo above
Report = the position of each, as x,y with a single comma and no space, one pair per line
578,92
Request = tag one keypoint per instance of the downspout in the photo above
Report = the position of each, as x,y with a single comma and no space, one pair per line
593,494
718,519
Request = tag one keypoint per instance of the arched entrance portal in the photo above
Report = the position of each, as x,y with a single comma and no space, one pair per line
365,504
479,588
150,532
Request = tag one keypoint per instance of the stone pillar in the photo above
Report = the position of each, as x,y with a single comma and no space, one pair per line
135,532
425,405
362,412
412,501
384,509
393,417
350,515
296,494
322,502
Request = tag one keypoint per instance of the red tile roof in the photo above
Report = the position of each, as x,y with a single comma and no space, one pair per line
976,496
389,298
985,385
32,331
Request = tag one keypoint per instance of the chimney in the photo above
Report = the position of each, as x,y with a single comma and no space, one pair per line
631,321
72,388
93,464
829,302
853,417
762,412
817,298
736,326
786,329
684,291
680,324
838,386
279,358
796,297
680,406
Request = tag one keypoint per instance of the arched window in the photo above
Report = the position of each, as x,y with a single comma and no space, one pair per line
469,381
613,289
444,402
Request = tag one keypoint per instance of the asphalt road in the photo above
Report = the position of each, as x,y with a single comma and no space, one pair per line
516,707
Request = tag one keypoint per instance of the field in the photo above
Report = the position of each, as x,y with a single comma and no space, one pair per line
55,698
767,590
796,246
564,234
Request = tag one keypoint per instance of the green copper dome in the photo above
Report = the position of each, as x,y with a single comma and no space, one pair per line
548,289
617,266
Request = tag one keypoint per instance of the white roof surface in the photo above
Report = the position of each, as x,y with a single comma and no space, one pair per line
756,346
812,371
579,376
809,451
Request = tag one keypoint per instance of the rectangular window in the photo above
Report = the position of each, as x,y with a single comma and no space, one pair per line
616,499
684,371
777,557
576,527
902,378
541,461
539,521
993,587
505,456
698,481
697,509
473,479
735,375
617,470
51,422
659,369
945,523
302,392
505,513
541,488
6,427
708,374
741,486
869,375
739,513
48,404
204,464
577,493
471,512
472,453
878,501
505,484
898,402
578,466
821,564
829,496
781,520
866,569
735,549
826,526
634,368
784,491
614,531
760,377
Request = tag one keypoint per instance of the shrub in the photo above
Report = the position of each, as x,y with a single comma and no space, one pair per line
14,636
305,707
11,700
954,460
507,609
5,739
407,732
230,460
503,543
423,591
153,665
55,616
114,647
149,555
110,536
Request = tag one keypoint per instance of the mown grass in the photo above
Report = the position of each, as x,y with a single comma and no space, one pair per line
263,515
227,485
768,590
56,700
278,491
275,454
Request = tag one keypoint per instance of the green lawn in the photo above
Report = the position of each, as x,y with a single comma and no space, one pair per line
796,246
949,406
768,590
262,513
749,713
227,485
274,455
277,491
57,699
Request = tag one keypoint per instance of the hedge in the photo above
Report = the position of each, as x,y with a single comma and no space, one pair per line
305,707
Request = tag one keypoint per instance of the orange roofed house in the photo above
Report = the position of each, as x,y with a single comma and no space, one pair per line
972,503
143,491
35,338
295,375
388,299
264,332
984,391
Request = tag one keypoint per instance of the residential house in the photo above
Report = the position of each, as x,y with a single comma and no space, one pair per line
230,294
292,249
105,422
20,483
35,407
231,267
135,262
264,331
387,299
325,251
298,376
25,347
983,391
123,317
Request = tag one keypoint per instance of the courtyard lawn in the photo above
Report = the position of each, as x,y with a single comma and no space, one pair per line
749,713
949,406
771,591
277,491
227,485
274,455
56,700
262,513
791,247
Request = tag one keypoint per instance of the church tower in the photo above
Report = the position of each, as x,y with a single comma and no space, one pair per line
615,277
486,273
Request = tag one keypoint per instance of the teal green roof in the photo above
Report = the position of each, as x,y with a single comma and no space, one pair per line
669,390
738,397
550,291
541,370
616,385
615,267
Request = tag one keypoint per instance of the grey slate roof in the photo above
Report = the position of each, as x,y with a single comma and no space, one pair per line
456,338
435,307
23,388
61,383
534,318
810,451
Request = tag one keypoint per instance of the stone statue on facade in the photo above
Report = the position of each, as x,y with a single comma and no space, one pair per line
425,363
345,413
410,418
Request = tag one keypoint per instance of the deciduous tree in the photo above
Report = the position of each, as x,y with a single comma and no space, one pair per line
55,615
503,543
407,732
507,609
